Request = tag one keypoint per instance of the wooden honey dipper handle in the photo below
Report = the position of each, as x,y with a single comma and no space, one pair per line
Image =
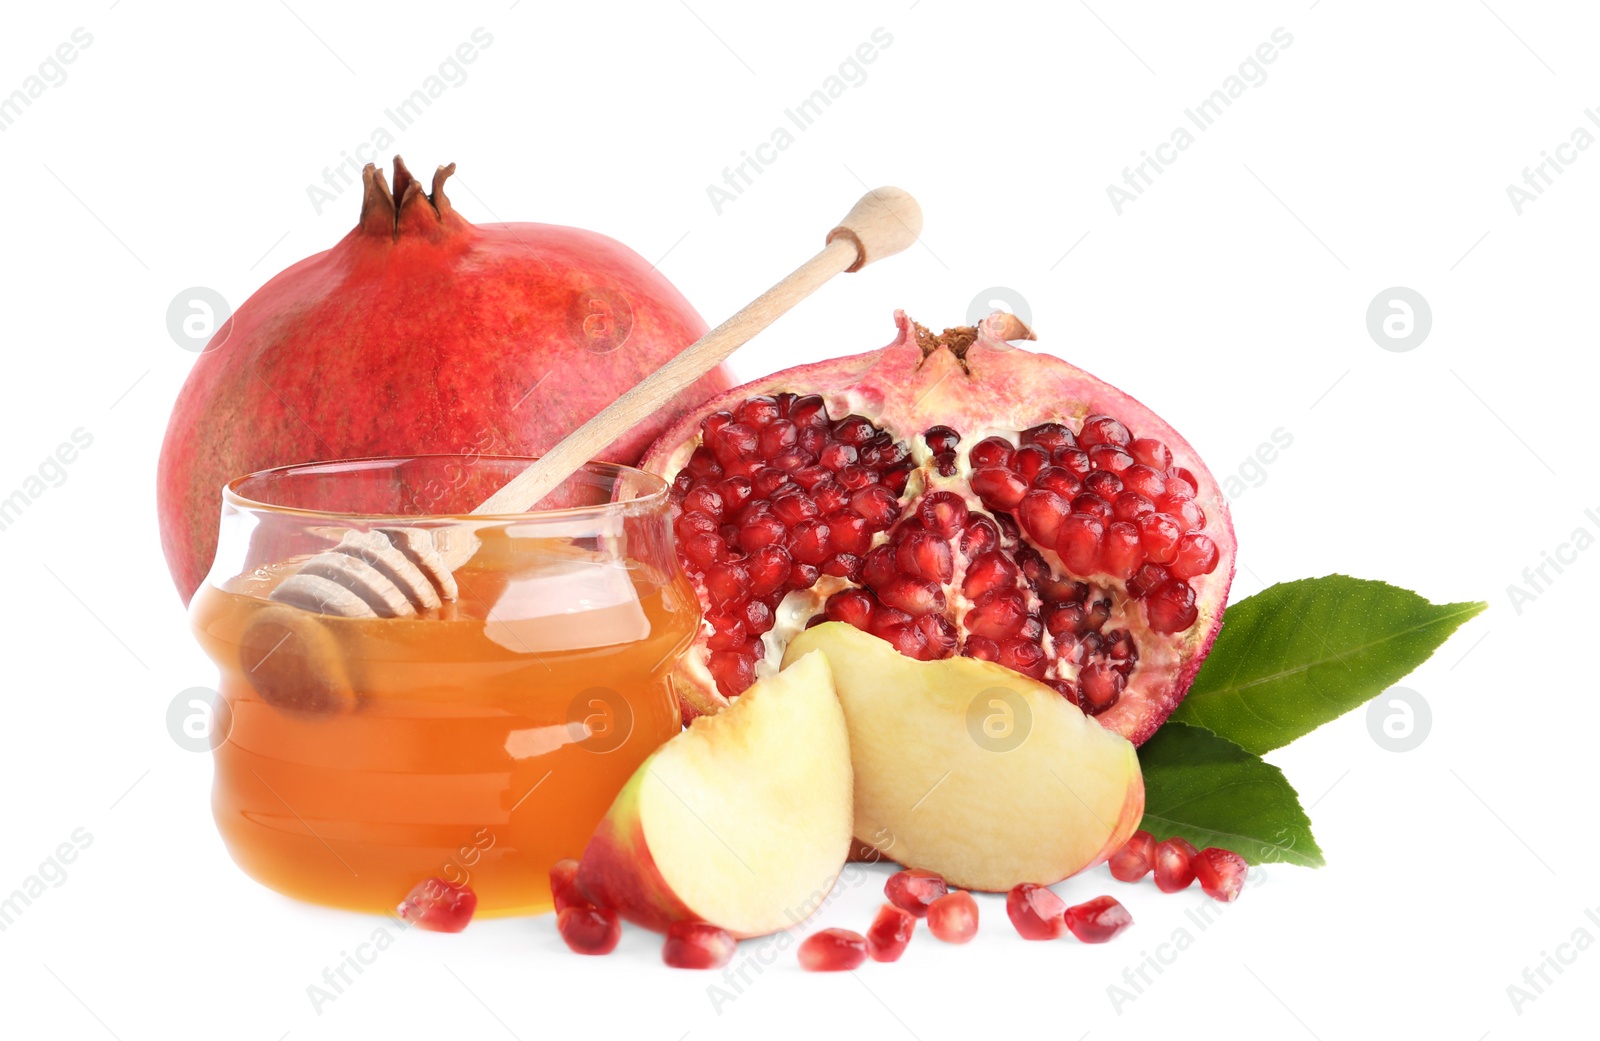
883,223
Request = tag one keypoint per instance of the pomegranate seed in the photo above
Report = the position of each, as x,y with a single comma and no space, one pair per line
589,930
1030,461
878,505
833,950
1197,555
854,430
1170,608
803,576
855,478
733,671
1020,654
1159,534
1060,480
768,479
925,555
1102,430
1104,484
758,411
811,542
564,889
1182,482
439,906
811,477
999,489
943,513
1101,686
914,890
997,615
704,499
991,451
1172,865
761,530
941,439
792,460
1132,861
1097,920
843,565
794,506
980,536
769,570
1147,482
727,580
837,456
1150,452
830,496
878,567
1097,614
981,648
909,641
989,571
884,619
1120,553
697,945
1074,460
940,633
1091,505
886,456
757,616
1036,912
1130,506
891,931
689,524
702,463
1041,514
912,595
809,411
779,436
1062,619
1079,543
1221,873
953,917
734,443
702,550
1109,459
849,531
1050,435
1184,508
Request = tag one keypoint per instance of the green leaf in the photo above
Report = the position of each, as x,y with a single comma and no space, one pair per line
1299,654
1214,793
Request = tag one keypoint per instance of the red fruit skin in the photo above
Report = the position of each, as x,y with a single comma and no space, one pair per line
913,384
696,945
589,930
833,950
439,906
890,933
414,335
1173,865
953,917
1220,872
618,872
1036,912
1097,920
914,890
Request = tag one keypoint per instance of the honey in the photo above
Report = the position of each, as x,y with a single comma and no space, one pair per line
478,743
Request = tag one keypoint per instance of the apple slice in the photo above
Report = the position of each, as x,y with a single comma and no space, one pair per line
974,771
741,821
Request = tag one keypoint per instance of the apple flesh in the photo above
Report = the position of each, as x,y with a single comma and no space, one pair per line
741,821
968,769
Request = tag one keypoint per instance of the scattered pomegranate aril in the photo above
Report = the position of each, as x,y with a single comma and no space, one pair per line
891,931
913,890
439,906
1133,861
1036,912
953,917
564,889
1172,865
833,950
697,945
589,930
1220,872
1097,920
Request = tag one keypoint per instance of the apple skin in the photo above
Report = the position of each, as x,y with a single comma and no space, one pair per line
617,870
1127,823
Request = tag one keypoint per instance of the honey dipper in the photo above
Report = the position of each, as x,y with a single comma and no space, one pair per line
396,571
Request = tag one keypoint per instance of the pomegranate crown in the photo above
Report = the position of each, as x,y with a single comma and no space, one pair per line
388,213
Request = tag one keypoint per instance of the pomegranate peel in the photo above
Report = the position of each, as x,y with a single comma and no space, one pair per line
903,473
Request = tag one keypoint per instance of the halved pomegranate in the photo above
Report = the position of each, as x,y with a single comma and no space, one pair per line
951,494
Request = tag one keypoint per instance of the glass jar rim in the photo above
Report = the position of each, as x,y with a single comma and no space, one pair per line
657,496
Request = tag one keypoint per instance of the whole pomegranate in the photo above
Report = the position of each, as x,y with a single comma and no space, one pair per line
952,494
418,332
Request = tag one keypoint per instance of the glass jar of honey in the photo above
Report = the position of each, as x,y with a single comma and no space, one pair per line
477,741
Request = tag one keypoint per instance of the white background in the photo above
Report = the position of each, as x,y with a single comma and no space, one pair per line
1231,297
